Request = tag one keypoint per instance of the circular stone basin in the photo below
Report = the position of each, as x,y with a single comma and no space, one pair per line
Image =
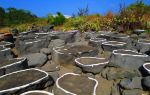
143,46
31,46
129,53
106,35
113,45
68,37
9,61
128,59
144,41
37,92
146,66
76,49
11,65
75,84
89,35
5,53
96,42
2,48
67,54
120,37
31,41
97,39
102,33
6,44
40,35
73,31
22,80
1,36
27,37
138,31
91,64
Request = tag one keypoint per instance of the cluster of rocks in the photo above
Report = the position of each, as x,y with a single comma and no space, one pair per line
71,63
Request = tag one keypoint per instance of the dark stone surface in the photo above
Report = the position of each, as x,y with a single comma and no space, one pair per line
56,43
131,83
46,51
146,82
5,53
132,92
112,73
36,59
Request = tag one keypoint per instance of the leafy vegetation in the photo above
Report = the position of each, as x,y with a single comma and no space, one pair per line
12,16
134,16
59,19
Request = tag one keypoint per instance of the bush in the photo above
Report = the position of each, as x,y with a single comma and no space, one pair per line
59,19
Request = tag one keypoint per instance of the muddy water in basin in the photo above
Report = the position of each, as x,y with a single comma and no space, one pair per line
8,61
77,84
20,78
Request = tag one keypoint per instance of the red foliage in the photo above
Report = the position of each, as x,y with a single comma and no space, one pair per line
109,15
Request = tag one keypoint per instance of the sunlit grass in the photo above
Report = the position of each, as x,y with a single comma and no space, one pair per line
5,30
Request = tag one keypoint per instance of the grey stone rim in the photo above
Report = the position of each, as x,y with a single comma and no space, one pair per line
5,49
144,66
98,40
141,55
139,41
37,91
77,62
23,59
118,43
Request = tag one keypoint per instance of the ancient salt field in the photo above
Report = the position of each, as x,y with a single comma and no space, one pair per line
75,63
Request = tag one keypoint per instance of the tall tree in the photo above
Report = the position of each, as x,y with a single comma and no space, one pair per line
2,16
83,11
15,16
59,19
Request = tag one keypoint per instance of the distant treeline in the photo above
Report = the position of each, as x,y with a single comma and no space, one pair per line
134,16
13,16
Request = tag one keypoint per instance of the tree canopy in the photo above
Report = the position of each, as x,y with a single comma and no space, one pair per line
13,16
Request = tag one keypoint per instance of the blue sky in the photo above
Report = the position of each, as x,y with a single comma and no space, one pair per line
67,7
